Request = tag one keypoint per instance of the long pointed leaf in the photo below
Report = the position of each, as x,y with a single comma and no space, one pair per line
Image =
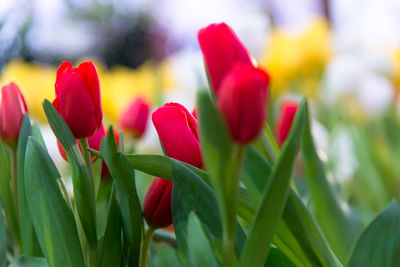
110,253
80,175
379,244
201,253
191,193
339,230
274,197
123,175
52,218
30,245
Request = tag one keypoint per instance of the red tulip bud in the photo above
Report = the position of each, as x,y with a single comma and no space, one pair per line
78,98
285,120
243,99
157,203
221,50
178,133
12,110
134,119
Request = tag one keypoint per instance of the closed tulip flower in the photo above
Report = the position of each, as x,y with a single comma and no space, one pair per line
284,122
94,143
243,99
157,203
78,98
134,119
12,110
221,50
178,133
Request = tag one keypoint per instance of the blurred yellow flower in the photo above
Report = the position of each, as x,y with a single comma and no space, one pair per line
119,85
396,69
292,57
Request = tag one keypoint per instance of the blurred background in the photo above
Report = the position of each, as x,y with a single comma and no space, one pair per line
343,55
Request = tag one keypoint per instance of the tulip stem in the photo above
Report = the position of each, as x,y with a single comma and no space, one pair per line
146,246
88,161
14,185
230,220
89,166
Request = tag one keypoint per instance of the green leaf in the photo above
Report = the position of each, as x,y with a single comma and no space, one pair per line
165,257
379,244
80,176
256,172
38,135
5,191
223,161
274,197
278,259
327,206
25,261
300,238
191,193
123,175
297,235
160,166
52,218
3,240
111,247
200,251
30,245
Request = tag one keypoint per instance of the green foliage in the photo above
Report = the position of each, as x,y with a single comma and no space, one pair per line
379,244
327,206
190,193
274,197
3,241
200,250
111,247
52,218
80,176
25,261
30,245
123,176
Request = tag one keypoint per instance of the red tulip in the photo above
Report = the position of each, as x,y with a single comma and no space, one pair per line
12,110
78,98
221,50
178,133
157,203
285,120
134,119
243,99
94,143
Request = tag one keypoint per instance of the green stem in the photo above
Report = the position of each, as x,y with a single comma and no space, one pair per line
89,166
229,231
14,192
144,252
88,161
14,179
93,256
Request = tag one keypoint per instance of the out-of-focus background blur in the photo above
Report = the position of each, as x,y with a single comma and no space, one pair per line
343,55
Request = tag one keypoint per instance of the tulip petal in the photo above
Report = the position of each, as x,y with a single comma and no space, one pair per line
221,50
64,67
